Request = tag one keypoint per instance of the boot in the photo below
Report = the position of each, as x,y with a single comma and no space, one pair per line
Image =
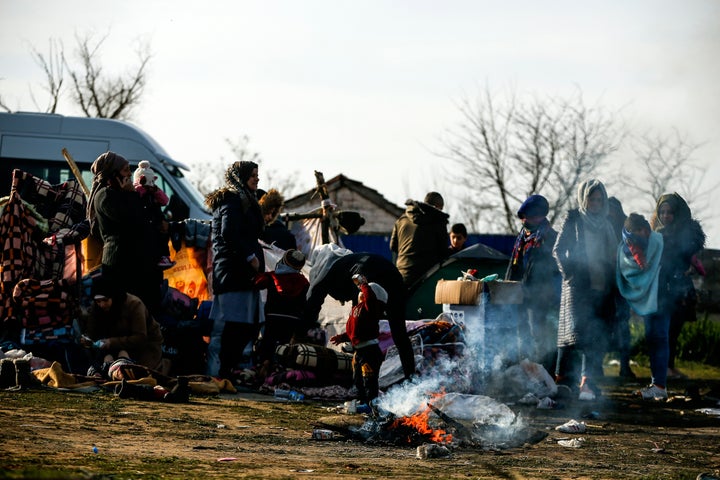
135,391
23,376
180,393
8,375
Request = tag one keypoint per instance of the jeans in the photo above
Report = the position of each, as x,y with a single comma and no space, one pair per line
657,331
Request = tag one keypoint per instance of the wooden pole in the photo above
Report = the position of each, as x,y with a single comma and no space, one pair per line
76,171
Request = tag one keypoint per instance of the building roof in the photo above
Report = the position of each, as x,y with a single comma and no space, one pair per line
340,182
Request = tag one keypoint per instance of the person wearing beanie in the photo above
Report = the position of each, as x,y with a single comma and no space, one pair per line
153,198
286,288
237,224
120,324
362,331
117,220
532,263
419,238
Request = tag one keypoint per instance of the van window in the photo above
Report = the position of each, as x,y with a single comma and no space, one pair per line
58,172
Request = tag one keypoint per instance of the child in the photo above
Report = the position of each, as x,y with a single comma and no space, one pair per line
638,269
362,331
286,288
458,237
153,198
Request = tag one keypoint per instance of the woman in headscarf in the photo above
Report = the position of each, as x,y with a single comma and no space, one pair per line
116,219
683,238
237,224
585,251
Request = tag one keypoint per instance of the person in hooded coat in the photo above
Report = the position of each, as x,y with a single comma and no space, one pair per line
683,238
585,251
237,224
419,238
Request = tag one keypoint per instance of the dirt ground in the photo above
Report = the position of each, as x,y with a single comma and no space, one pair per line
51,434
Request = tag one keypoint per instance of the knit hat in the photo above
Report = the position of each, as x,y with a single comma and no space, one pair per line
534,206
294,259
102,288
380,293
144,175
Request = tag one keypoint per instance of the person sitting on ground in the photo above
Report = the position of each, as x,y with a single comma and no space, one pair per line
362,331
638,270
286,288
119,321
153,198
458,237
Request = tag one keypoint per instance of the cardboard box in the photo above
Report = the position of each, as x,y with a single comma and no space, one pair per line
458,292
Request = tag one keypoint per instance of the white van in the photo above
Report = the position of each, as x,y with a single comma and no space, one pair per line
33,142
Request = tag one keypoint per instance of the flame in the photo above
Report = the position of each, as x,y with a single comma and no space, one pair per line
419,422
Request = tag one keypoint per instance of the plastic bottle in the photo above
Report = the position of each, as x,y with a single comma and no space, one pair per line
291,395
282,393
296,396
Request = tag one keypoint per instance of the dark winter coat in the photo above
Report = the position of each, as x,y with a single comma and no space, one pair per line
419,240
130,327
236,227
537,270
681,240
278,234
571,255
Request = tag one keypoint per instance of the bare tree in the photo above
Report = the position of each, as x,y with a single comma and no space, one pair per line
208,177
663,164
96,93
53,67
101,95
505,150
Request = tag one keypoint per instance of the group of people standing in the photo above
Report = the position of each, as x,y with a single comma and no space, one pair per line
589,274
580,281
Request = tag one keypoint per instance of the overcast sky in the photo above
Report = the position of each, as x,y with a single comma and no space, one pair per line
367,88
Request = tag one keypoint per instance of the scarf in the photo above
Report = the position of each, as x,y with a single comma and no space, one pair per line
594,221
529,239
635,246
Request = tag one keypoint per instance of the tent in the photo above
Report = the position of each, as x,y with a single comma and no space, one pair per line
421,298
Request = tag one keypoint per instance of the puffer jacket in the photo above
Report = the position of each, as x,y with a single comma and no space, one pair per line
236,227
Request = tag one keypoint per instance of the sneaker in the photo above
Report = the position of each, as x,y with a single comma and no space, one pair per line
572,443
529,399
572,426
165,263
653,392
586,394
546,403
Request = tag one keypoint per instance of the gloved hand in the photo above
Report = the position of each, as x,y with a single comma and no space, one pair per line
100,344
359,279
